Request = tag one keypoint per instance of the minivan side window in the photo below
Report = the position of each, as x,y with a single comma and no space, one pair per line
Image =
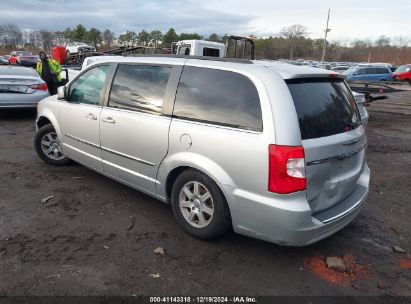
360,71
88,87
139,87
382,71
220,97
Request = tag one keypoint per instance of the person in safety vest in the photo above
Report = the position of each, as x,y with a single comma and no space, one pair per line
49,70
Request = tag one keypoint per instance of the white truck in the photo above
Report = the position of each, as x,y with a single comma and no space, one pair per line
185,48
199,48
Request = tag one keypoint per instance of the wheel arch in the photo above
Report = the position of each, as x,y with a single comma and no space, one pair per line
46,116
42,121
173,166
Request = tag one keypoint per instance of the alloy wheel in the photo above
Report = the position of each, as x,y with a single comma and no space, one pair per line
196,204
51,147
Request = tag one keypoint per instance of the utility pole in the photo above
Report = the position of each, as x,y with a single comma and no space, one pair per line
325,37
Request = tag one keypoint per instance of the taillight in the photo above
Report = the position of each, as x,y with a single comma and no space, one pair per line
286,169
40,86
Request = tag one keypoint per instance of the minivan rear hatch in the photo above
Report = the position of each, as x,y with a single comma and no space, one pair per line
333,139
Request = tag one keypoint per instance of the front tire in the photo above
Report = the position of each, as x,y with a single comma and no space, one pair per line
199,205
48,146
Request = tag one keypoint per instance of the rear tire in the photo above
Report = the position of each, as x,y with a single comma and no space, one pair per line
407,81
199,206
48,146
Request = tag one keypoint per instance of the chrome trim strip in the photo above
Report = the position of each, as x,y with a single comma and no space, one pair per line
349,143
345,211
130,172
338,157
128,156
82,141
110,151
210,124
81,152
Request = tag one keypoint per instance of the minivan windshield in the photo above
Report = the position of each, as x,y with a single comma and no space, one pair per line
324,106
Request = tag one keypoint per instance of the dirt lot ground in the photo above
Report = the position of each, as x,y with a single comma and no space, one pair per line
78,243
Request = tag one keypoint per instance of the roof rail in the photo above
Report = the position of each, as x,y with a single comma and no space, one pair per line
221,59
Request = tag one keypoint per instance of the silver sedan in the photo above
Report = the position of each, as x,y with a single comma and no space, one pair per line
21,87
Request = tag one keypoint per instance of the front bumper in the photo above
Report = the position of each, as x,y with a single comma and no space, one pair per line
287,219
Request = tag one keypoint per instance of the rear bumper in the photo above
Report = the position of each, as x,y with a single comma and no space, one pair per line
22,101
31,64
287,219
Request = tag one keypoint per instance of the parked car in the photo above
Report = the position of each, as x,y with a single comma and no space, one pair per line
24,58
325,66
361,104
368,74
4,60
340,68
78,47
275,151
403,73
21,87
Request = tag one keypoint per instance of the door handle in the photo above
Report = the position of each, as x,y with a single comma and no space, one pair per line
109,120
91,116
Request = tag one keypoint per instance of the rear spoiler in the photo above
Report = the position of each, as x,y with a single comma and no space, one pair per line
331,75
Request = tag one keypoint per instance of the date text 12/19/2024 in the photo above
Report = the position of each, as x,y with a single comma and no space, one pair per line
182,299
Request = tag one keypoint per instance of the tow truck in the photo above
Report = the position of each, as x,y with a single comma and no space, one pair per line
234,47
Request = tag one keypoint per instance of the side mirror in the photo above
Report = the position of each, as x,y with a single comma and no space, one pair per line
355,74
61,93
64,77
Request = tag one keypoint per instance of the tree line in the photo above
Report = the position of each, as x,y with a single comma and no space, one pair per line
289,43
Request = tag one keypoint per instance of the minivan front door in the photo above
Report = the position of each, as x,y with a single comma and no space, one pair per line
134,130
80,117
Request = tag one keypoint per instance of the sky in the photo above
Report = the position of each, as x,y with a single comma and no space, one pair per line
349,19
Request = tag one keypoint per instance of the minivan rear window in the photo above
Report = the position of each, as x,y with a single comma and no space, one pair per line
324,106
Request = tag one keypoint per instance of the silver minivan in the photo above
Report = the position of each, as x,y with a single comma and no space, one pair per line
275,151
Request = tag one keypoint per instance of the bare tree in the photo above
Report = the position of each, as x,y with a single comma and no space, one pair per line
108,38
402,41
46,39
60,38
293,34
11,36
382,41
